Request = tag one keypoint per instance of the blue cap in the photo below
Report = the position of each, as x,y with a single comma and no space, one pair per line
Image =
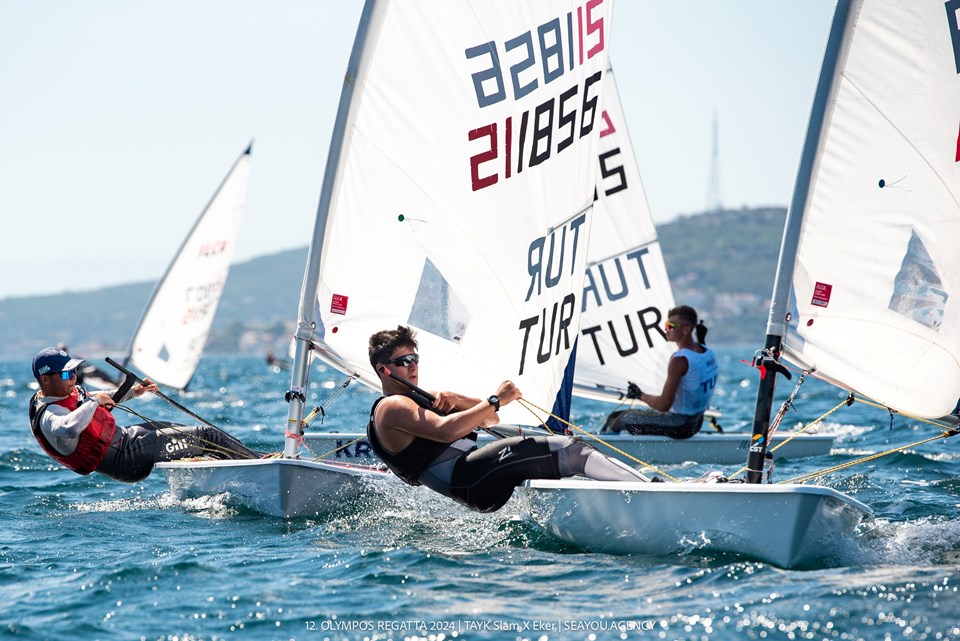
53,360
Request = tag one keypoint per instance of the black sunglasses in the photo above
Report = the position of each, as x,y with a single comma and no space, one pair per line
404,361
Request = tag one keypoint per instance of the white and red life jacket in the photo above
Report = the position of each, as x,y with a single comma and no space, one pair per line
94,440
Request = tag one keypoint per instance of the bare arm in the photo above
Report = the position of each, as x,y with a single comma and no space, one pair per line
139,389
401,414
447,402
675,371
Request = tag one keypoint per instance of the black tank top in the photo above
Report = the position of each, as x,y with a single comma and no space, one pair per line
412,460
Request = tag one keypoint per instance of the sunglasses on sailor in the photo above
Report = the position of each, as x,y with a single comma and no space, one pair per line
404,361
67,375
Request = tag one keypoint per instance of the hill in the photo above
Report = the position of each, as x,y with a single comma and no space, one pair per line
256,313
721,263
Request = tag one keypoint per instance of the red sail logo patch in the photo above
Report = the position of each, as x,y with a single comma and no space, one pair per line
821,294
338,304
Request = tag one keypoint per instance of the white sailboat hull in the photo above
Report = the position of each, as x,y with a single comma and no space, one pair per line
287,488
785,525
706,447
718,449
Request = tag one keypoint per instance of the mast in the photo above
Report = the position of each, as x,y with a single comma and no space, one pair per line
363,45
841,31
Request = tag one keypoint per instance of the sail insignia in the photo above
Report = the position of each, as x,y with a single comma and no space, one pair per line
918,291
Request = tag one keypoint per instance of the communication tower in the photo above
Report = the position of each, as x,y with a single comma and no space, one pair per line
714,203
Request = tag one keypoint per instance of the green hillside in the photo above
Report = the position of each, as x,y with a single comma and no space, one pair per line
256,312
721,263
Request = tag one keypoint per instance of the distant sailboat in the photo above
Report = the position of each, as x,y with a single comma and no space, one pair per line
627,290
172,332
627,295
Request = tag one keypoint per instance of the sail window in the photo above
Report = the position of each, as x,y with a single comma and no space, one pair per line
918,291
437,308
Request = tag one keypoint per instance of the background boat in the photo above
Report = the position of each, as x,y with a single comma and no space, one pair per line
171,334
627,291
170,337
875,323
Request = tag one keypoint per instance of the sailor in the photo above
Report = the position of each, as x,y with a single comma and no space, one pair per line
77,430
691,379
432,442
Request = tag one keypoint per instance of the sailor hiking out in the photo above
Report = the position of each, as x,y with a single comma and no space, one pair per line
77,429
431,441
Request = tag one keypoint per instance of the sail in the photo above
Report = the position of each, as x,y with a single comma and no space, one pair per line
173,330
461,196
877,268
627,291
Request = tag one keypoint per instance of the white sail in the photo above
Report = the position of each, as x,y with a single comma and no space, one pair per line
462,155
877,270
463,191
173,330
627,290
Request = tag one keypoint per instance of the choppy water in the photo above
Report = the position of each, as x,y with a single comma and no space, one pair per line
89,558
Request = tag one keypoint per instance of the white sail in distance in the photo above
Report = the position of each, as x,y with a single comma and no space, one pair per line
877,273
627,291
462,197
173,330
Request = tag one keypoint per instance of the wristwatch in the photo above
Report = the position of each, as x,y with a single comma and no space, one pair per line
495,401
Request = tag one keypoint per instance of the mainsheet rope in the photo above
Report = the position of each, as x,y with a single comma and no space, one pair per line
946,432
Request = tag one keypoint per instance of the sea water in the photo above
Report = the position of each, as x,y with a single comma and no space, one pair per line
88,558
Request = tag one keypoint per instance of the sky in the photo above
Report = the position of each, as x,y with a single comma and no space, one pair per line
119,118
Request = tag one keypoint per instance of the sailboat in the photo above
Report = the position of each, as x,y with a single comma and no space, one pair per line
457,199
173,328
868,253
626,297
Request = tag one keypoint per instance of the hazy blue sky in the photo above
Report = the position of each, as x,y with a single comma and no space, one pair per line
119,118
